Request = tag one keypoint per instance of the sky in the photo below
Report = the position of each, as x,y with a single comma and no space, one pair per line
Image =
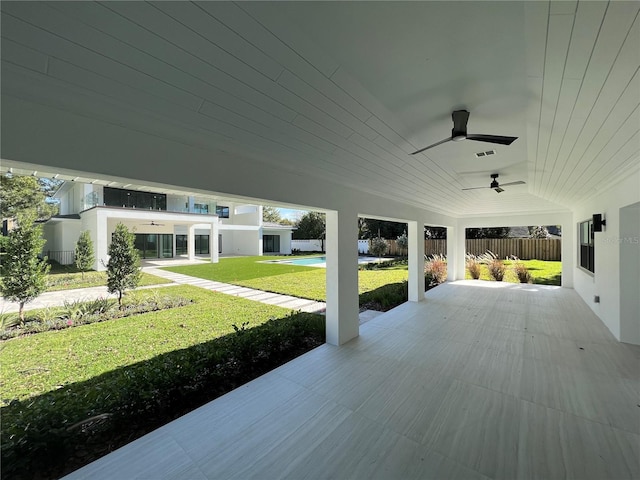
291,214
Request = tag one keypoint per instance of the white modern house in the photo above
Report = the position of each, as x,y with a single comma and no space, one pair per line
323,106
166,224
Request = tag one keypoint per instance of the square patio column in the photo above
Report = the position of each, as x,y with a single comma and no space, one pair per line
98,228
456,251
452,257
342,277
191,242
213,242
416,261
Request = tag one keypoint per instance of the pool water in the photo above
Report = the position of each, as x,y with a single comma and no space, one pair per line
308,261
320,261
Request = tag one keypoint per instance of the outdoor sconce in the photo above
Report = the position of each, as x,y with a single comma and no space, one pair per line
598,222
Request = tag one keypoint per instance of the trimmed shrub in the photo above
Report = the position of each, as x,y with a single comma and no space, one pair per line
385,297
77,313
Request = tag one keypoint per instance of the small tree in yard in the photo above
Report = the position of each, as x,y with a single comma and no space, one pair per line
403,242
84,253
24,275
379,246
123,268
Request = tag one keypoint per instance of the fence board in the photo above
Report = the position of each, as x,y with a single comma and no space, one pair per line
524,248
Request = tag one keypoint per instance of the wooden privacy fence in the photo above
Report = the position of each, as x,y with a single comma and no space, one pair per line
523,248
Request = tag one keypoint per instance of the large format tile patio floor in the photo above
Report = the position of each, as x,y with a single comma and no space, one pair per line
482,380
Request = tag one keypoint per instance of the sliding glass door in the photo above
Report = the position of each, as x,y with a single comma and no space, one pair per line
154,245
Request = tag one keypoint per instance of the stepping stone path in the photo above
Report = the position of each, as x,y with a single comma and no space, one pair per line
286,301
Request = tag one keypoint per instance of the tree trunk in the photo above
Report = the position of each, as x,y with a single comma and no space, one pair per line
21,312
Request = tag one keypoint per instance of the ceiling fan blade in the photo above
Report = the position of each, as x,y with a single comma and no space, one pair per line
492,139
460,119
474,188
519,182
431,146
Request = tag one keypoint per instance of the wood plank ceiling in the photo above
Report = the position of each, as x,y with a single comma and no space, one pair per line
344,91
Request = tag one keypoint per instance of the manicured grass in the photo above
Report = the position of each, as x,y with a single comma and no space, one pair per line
543,272
36,364
71,396
70,280
298,281
237,269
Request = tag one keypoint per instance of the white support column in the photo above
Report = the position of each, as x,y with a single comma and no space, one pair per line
416,261
98,228
459,248
342,277
213,242
452,254
567,254
191,242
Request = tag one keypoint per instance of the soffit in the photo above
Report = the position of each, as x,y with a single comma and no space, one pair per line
344,91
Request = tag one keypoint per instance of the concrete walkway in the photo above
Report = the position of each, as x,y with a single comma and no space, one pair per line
53,299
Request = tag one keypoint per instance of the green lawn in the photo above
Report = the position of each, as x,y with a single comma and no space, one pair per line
543,272
35,364
299,281
67,280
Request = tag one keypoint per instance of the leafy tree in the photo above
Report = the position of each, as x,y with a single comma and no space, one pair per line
379,246
500,232
539,231
271,214
363,228
24,274
123,268
27,195
435,233
403,242
383,228
84,253
311,226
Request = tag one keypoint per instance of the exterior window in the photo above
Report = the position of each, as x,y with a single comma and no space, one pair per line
271,243
201,244
222,212
586,246
116,197
200,208
154,245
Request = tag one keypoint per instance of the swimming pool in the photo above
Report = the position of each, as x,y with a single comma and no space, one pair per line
307,261
319,261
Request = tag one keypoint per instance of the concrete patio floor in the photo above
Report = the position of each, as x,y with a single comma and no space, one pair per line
483,380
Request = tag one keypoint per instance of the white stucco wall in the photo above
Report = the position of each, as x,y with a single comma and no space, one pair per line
61,236
605,282
245,243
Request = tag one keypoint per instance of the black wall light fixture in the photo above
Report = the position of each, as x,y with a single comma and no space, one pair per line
598,222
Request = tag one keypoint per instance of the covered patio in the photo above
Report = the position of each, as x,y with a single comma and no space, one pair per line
483,380
328,106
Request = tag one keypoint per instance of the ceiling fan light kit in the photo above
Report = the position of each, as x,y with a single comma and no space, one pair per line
459,133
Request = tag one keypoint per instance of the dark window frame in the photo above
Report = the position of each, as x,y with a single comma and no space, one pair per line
222,211
586,246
